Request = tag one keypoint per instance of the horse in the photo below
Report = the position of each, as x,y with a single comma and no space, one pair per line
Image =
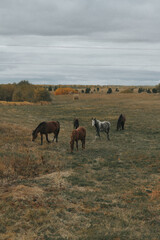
76,123
46,128
78,134
101,127
121,122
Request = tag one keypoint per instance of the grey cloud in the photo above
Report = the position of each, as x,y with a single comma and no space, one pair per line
80,41
139,19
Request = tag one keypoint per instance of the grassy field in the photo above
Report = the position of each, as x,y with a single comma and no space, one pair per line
109,191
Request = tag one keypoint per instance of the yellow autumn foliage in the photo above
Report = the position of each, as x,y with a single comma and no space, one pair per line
64,91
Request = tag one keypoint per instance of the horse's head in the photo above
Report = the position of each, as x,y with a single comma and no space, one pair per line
93,122
76,123
34,135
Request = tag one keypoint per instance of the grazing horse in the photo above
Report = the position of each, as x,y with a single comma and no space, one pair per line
121,122
101,127
76,123
78,134
45,128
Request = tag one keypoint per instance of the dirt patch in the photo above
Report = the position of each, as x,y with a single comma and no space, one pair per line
57,178
22,192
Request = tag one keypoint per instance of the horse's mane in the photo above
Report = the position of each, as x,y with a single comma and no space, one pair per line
96,123
42,123
121,117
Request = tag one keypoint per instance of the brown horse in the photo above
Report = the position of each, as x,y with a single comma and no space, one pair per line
76,123
121,122
78,134
46,128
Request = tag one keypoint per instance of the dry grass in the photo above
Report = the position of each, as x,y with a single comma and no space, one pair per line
109,191
23,103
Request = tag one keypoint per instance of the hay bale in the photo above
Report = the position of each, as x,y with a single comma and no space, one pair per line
76,97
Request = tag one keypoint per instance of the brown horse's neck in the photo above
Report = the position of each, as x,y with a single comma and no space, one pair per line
37,130
40,126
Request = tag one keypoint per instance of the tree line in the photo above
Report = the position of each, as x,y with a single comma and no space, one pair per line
23,91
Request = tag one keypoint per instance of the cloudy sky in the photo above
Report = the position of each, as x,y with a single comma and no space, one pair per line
106,42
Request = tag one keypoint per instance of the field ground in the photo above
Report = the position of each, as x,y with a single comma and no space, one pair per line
111,190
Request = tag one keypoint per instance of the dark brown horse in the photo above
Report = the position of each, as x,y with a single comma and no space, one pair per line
78,134
121,121
46,128
76,123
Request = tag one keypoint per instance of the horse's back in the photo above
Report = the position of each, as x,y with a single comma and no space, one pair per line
81,132
52,126
105,124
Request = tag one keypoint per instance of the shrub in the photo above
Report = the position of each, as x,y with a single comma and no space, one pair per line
158,87
141,90
55,88
65,91
109,90
50,88
117,90
148,90
154,90
23,92
87,90
128,90
6,92
41,94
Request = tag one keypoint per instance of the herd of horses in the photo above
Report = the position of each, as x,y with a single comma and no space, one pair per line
79,133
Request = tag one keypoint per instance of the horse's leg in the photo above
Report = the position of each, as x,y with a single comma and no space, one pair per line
47,138
41,139
122,125
98,134
83,144
56,137
77,144
108,135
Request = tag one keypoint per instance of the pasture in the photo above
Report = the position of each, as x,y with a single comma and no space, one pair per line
109,191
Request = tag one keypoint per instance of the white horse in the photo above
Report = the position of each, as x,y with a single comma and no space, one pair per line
101,127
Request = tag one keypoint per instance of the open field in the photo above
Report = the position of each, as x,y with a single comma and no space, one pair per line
109,191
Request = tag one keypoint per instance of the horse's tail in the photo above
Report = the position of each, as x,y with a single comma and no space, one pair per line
58,123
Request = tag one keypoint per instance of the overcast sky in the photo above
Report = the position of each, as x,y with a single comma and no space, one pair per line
103,42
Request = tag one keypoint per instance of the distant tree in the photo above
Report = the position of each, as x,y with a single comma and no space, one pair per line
55,88
6,92
87,90
117,90
154,90
158,87
140,90
97,89
109,90
24,82
23,92
148,90
128,90
82,91
50,88
41,94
